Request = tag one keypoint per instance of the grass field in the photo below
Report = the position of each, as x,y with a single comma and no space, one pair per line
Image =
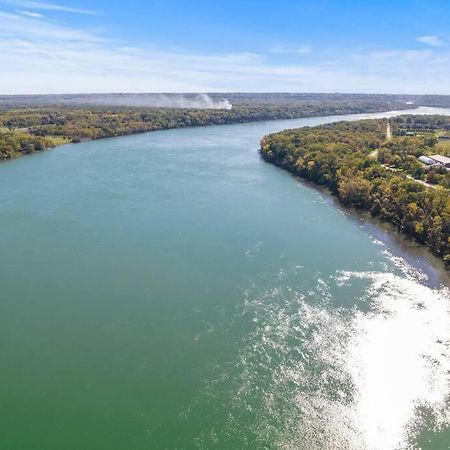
58,140
443,148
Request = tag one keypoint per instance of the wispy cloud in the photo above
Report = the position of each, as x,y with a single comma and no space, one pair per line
43,56
15,26
434,41
284,49
31,14
43,6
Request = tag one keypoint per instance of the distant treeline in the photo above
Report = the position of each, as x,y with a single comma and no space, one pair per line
354,160
33,129
420,122
236,98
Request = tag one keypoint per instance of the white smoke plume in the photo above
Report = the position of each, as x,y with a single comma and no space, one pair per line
195,101
201,101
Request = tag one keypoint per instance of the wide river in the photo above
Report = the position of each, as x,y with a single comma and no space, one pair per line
172,290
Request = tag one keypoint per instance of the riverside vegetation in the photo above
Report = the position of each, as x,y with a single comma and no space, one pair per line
367,171
29,129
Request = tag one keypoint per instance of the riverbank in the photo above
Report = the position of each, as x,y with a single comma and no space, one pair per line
419,257
29,130
341,157
135,264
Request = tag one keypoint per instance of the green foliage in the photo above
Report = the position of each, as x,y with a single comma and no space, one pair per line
50,126
339,157
14,143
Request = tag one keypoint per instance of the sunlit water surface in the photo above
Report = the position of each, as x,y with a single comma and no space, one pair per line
171,290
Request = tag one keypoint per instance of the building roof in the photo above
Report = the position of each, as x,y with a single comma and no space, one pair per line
441,159
426,160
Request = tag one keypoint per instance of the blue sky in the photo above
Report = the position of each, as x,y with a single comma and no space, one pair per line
396,46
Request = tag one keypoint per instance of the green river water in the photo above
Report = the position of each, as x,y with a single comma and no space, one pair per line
172,290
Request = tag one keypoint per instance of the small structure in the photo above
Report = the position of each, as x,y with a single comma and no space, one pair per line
441,160
427,161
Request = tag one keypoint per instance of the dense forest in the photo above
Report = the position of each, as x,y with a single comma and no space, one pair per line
236,98
367,171
31,129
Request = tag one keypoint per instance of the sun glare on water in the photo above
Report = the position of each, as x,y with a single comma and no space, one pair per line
398,358
364,378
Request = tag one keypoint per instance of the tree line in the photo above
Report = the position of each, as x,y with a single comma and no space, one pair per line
348,158
33,129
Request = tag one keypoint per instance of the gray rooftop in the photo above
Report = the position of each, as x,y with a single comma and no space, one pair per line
441,159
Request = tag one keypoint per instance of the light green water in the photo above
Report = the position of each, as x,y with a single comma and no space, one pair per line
171,290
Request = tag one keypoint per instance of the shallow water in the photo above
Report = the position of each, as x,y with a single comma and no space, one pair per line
172,290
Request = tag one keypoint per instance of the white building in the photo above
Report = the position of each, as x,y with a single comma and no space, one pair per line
441,160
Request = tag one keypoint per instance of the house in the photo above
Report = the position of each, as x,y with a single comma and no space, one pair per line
441,160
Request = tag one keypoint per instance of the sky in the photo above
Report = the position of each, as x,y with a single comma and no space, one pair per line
74,46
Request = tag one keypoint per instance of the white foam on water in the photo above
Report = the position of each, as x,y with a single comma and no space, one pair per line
407,271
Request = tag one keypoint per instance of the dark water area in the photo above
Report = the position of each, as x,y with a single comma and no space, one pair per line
172,290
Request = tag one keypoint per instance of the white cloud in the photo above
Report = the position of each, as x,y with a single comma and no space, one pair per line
40,56
31,14
299,50
41,31
434,41
45,6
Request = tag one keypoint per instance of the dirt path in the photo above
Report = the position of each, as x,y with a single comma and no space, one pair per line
423,183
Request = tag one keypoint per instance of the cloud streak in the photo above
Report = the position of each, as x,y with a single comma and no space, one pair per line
43,6
41,56
434,41
286,49
31,14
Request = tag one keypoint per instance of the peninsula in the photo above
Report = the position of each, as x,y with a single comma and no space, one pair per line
397,170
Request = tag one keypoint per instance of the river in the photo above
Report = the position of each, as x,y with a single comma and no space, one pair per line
172,290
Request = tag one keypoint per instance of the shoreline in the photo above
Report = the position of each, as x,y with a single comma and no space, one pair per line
420,256
214,121
366,217
402,241
281,149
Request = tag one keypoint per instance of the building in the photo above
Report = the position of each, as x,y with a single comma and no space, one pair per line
435,160
441,160
427,161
